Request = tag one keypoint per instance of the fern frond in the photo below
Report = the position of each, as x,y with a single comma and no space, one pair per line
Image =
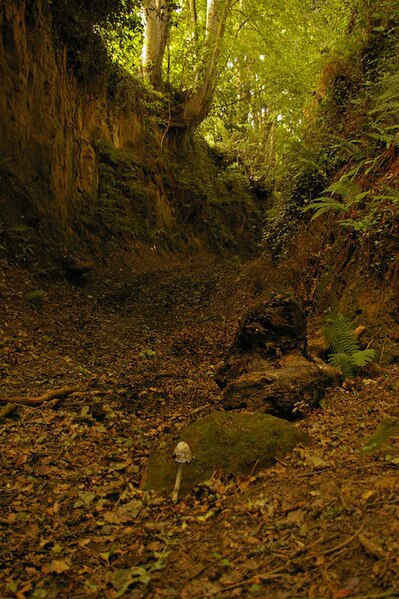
363,357
339,332
323,204
343,362
346,189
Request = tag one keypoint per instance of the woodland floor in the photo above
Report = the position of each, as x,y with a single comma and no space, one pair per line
140,351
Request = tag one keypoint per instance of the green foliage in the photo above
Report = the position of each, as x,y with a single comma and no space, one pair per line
123,203
274,55
19,240
37,297
306,178
147,354
348,194
350,138
388,428
371,211
339,332
215,196
80,25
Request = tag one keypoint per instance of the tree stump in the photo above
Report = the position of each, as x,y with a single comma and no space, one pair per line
268,369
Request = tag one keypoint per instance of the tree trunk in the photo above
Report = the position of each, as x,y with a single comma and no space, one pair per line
200,100
157,17
157,21
194,18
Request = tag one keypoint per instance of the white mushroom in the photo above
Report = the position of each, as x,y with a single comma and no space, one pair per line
182,455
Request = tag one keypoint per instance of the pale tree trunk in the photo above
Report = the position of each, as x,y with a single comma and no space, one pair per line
157,17
194,18
157,22
269,143
200,99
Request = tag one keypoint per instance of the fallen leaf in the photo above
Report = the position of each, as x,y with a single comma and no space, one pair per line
296,517
342,593
206,517
122,579
57,566
251,540
85,499
312,459
371,547
24,589
155,546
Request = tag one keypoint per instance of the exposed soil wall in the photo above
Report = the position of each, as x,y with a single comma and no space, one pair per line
47,124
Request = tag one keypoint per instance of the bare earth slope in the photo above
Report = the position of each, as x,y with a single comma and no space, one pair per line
139,355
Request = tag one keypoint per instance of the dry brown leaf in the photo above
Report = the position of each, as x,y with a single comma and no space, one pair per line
252,540
371,547
57,566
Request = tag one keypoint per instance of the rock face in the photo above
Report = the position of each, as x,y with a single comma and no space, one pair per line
230,442
268,369
47,122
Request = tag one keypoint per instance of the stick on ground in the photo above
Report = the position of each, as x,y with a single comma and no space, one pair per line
37,401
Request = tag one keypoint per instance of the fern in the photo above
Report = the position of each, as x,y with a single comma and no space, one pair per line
322,205
362,357
349,194
339,332
343,362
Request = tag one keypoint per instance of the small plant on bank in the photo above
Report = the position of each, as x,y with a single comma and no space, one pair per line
147,354
37,297
346,354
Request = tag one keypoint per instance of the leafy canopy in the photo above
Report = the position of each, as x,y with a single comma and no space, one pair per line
271,55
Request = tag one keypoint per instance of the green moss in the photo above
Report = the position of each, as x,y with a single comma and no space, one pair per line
236,443
123,206
389,427
37,297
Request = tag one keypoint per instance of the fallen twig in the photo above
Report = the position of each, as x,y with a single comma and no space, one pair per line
264,577
337,547
258,578
390,593
187,414
37,401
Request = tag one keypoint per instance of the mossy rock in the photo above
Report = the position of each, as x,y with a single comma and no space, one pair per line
235,443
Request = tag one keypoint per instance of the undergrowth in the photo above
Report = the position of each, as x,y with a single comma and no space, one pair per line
347,160
77,26
123,204
345,352
214,197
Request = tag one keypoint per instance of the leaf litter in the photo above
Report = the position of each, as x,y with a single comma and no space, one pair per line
322,522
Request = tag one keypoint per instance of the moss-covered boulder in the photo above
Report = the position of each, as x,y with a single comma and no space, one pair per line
235,443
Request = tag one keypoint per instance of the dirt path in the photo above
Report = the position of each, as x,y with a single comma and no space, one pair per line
141,350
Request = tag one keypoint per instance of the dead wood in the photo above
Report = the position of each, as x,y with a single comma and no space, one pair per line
8,409
38,401
268,367
278,391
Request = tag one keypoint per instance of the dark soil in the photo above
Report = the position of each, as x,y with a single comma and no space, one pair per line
141,349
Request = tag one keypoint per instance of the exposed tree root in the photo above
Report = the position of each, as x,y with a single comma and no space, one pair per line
37,401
